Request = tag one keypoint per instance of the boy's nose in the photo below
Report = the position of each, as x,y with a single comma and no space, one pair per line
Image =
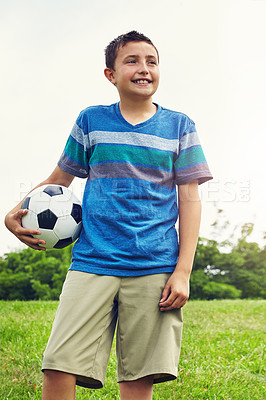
143,69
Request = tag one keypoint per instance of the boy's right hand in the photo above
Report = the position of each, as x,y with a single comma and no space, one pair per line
13,223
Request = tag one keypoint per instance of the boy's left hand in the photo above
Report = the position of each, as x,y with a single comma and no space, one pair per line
176,291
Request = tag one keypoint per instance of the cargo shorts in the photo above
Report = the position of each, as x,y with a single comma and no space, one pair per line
92,307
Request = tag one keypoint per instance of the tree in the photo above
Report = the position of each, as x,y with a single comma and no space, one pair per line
221,269
29,275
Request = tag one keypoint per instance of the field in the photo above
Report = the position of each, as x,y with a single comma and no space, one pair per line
221,357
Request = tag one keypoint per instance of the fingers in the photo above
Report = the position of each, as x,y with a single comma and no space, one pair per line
34,243
19,230
40,248
34,246
14,224
174,301
166,302
26,235
17,216
21,212
177,304
165,293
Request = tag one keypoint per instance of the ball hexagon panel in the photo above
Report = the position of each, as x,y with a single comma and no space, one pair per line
39,202
64,227
47,219
60,206
49,236
76,212
30,221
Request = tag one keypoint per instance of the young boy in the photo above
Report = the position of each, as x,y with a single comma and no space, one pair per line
127,266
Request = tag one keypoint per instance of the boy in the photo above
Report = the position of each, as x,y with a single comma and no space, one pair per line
127,266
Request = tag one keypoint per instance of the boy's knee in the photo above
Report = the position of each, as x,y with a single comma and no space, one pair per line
139,389
58,376
49,372
58,385
53,374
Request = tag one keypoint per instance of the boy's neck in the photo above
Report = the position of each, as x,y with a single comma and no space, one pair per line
137,112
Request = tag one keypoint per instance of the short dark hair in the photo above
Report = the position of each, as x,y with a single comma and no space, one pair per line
113,47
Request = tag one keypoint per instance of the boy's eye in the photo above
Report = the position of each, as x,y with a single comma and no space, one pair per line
131,61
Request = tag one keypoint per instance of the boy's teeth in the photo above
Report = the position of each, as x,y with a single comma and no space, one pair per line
142,81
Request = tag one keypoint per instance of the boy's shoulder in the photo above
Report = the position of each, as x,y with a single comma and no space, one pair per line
181,121
97,109
177,114
95,117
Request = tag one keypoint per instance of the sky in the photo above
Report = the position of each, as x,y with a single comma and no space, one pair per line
212,62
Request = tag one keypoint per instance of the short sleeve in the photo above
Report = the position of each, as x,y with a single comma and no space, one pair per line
191,163
74,159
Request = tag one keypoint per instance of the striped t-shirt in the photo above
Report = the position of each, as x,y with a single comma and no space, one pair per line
130,200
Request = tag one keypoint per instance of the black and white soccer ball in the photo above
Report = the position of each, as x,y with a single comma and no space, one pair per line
56,212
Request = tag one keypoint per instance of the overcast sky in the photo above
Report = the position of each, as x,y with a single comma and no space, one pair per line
213,65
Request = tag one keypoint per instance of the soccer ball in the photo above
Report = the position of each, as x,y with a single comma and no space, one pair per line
56,212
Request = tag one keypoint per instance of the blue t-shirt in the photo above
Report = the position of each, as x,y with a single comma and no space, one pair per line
130,201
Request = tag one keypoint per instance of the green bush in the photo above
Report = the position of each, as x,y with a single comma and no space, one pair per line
214,290
32,275
240,271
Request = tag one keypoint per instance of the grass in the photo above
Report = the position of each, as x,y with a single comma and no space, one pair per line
221,357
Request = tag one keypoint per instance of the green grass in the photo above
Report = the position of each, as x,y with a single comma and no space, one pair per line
221,357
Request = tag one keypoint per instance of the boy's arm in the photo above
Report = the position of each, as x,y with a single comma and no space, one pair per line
176,291
13,218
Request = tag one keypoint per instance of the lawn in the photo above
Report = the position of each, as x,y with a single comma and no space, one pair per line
221,357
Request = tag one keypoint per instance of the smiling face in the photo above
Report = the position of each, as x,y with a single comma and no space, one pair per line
136,71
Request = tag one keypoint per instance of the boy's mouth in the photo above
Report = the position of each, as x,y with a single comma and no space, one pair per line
142,81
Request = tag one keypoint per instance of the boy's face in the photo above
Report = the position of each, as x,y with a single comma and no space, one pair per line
136,71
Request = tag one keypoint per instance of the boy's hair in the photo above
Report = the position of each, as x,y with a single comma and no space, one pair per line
113,47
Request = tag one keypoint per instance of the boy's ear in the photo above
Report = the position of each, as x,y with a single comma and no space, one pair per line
108,72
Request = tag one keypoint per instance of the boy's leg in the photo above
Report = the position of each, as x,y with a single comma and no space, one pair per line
140,389
148,340
58,385
82,333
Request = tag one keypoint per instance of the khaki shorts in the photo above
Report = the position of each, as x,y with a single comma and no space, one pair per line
147,340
